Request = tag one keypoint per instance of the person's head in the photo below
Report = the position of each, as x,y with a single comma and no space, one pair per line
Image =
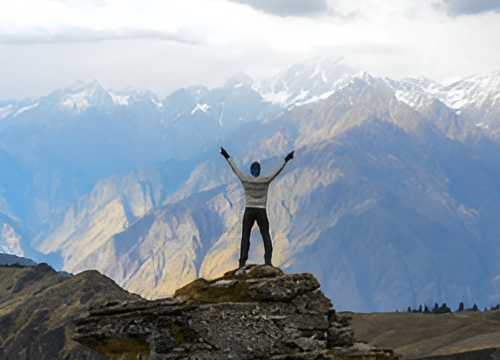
255,169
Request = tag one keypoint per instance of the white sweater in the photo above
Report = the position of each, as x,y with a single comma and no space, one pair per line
256,188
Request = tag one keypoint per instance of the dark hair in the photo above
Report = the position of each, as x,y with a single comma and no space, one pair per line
255,169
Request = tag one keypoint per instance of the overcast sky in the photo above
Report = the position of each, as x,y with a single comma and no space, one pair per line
162,45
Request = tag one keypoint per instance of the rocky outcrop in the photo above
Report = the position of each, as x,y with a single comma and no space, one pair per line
257,312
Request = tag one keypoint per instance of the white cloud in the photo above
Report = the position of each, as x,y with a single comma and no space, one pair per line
162,45
74,34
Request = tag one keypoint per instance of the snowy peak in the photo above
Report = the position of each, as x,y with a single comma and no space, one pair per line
473,91
415,92
82,97
473,103
303,82
238,80
129,97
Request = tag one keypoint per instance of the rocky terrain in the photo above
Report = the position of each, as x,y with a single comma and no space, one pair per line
38,305
256,312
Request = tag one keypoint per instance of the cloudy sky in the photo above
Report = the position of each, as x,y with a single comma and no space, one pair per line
162,45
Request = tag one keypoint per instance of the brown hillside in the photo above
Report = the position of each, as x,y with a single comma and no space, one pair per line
38,305
417,335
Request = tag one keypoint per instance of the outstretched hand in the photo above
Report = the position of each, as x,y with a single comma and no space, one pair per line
224,153
289,156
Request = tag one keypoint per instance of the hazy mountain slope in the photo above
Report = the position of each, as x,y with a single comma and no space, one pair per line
384,208
114,203
7,259
196,118
418,203
12,233
396,234
63,144
37,306
67,141
155,255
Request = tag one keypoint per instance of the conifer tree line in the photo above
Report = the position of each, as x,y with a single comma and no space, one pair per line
443,309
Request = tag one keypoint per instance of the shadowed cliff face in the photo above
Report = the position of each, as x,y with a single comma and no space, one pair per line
38,305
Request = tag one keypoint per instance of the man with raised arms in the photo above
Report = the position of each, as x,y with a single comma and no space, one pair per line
256,189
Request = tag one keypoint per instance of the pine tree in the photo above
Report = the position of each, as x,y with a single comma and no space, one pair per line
436,308
445,309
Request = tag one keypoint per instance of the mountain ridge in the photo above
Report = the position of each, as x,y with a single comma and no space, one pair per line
147,189
38,305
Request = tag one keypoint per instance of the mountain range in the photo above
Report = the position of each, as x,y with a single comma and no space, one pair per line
391,201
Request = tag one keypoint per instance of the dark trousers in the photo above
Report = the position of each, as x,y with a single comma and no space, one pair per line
249,218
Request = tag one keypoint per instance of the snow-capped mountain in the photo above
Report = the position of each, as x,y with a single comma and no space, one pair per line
305,82
387,197
471,92
475,100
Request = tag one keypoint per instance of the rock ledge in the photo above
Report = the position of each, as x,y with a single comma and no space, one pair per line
256,312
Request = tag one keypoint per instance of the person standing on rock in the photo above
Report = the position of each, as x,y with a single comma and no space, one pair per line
256,189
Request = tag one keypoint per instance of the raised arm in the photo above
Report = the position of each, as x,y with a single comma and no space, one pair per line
282,166
231,163
276,173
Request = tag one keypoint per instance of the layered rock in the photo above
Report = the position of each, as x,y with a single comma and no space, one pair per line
257,312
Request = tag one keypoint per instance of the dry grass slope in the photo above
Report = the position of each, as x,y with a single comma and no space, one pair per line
415,335
38,305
